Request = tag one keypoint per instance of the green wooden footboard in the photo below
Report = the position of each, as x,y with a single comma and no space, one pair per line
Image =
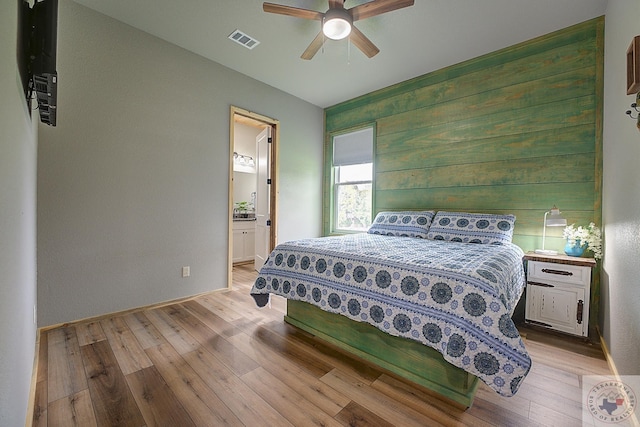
408,359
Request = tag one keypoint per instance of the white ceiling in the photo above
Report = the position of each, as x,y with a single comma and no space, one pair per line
427,36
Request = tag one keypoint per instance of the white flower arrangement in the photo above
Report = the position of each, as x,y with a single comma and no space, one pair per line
590,235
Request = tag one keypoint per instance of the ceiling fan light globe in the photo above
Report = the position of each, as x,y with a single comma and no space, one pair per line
336,24
336,28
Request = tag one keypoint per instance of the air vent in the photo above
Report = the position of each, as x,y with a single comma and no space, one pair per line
243,39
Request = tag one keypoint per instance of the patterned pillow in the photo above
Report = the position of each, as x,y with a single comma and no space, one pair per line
402,224
472,227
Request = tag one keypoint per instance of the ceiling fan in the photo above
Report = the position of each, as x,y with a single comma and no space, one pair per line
337,22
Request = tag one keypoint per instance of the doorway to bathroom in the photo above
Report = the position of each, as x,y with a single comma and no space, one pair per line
252,188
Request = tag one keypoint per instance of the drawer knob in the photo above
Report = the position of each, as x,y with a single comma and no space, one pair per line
559,272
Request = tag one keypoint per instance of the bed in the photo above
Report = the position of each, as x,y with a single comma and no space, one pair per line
427,296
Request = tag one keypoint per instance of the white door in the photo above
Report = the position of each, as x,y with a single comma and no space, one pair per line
263,209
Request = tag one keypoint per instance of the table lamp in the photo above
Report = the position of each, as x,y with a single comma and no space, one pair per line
554,220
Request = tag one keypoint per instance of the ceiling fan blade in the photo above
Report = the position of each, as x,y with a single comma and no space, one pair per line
292,11
314,47
377,7
363,43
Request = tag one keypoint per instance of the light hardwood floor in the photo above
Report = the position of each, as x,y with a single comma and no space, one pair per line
218,360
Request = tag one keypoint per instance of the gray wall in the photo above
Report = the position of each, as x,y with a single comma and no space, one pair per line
132,183
620,281
18,151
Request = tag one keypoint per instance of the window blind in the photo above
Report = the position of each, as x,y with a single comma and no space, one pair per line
353,148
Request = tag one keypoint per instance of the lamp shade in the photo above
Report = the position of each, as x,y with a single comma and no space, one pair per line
337,24
554,219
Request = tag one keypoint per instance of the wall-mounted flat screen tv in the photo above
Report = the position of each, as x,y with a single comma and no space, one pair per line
37,51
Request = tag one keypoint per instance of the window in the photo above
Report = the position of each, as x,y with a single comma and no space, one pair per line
353,179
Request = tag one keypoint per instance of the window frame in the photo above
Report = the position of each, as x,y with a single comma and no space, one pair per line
333,171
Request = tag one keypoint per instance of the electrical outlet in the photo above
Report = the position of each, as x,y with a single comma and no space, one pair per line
186,271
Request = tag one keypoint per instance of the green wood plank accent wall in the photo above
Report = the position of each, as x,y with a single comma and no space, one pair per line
514,131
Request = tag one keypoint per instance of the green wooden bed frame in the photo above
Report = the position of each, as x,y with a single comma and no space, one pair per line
408,359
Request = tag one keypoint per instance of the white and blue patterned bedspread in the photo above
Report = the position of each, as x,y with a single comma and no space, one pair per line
455,297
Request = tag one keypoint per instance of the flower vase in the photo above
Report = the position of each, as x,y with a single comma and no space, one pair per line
575,249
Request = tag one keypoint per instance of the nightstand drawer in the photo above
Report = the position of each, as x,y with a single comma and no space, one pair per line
561,273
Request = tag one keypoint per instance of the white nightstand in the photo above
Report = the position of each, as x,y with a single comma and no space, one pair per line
558,292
